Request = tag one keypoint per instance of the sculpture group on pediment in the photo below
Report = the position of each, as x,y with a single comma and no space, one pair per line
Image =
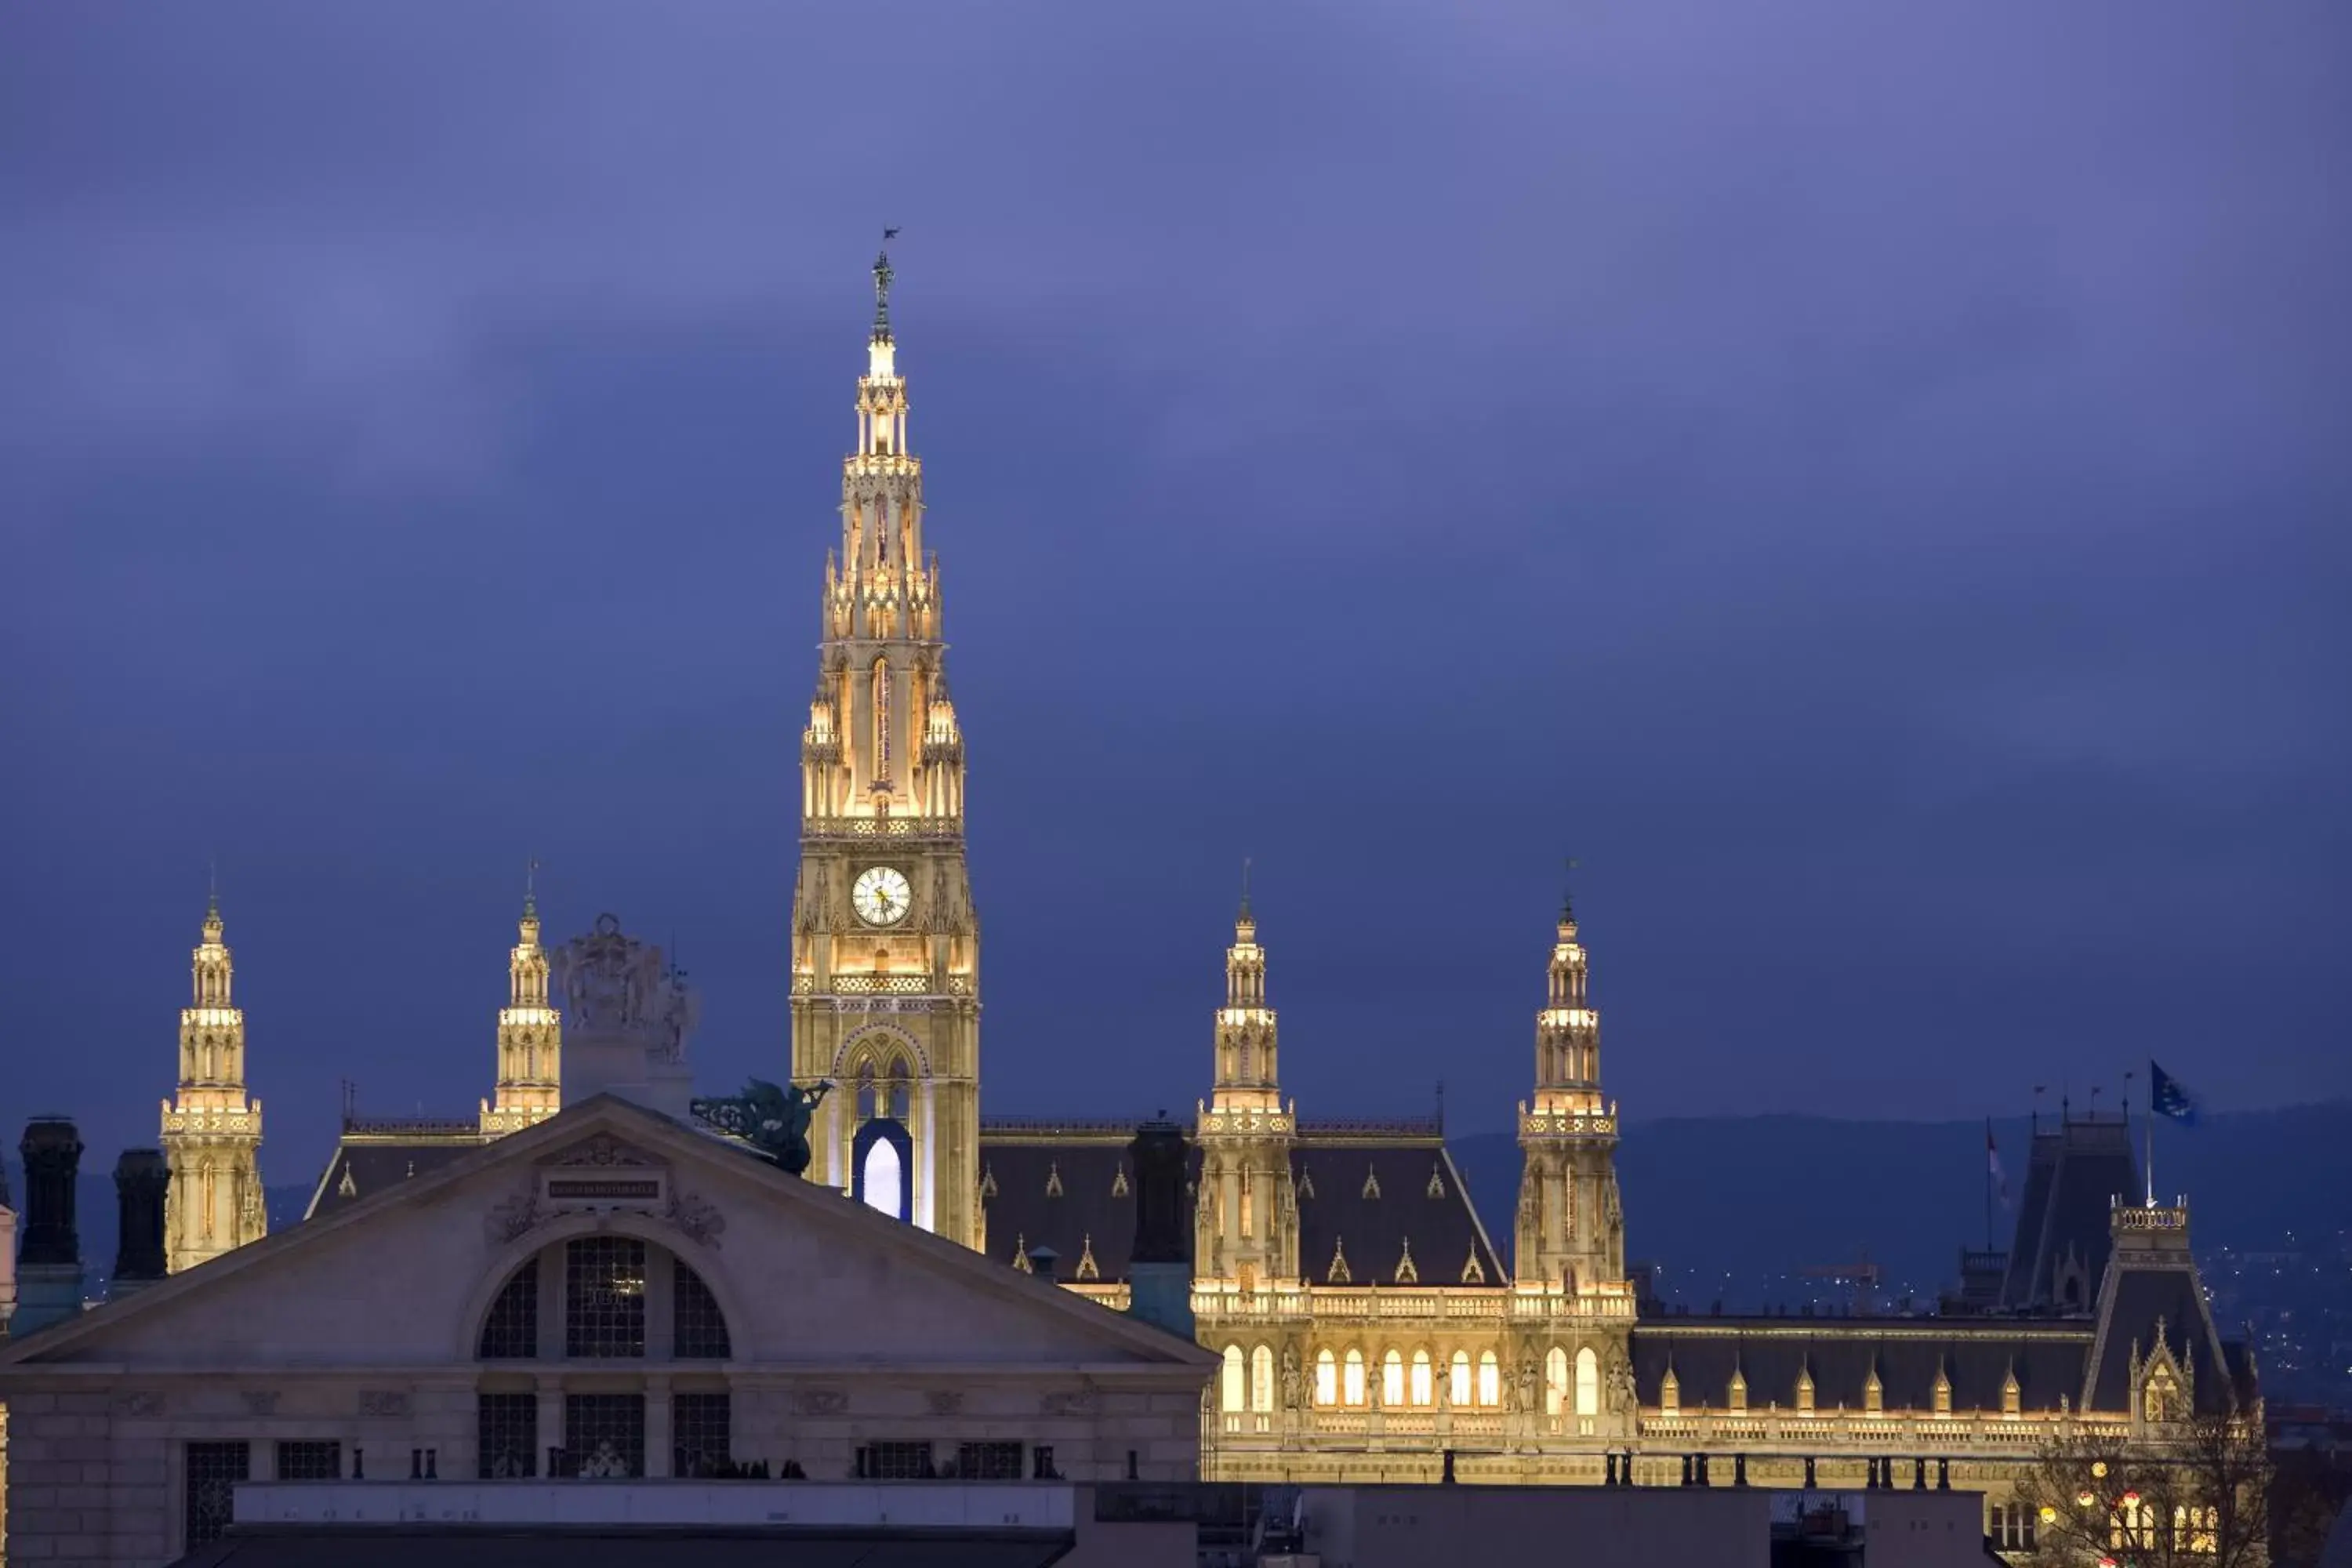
611,982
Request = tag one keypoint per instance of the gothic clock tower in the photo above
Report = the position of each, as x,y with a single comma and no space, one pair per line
885,948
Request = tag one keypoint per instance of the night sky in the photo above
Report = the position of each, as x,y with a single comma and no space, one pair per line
1869,480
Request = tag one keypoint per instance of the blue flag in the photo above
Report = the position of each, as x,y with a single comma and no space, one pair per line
2168,1096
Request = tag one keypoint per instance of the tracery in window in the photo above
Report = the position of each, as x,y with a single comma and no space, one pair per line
902,1096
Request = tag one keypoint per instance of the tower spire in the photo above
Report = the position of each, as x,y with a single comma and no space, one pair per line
530,1084
211,1130
1245,898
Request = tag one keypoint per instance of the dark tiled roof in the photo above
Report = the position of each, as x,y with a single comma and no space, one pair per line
2075,1177
1841,1352
1375,1200
365,1163
1066,1192
1366,1195
2129,1314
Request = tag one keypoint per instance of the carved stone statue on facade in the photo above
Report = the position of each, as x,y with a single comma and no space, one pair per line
1621,1383
1290,1390
1529,1374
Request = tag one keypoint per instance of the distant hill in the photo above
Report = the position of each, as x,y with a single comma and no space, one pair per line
1729,1207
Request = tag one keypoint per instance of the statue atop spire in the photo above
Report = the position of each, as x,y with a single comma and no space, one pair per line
882,278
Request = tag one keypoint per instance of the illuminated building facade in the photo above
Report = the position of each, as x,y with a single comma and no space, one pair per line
1366,1327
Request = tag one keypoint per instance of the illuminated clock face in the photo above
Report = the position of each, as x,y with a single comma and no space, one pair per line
880,895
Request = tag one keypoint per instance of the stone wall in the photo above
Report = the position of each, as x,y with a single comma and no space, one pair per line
96,1473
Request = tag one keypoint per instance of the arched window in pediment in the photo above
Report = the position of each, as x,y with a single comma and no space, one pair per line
604,1298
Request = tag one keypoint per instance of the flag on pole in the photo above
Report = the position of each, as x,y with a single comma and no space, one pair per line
2168,1096
1992,1165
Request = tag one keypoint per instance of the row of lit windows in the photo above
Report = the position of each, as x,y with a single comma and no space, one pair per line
1247,1382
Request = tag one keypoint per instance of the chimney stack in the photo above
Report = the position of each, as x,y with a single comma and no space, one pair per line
1160,1269
142,1178
48,1261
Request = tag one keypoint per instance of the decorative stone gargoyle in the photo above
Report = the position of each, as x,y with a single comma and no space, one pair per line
774,1120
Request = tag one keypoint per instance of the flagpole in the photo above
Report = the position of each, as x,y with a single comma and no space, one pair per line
2150,1161
1988,1186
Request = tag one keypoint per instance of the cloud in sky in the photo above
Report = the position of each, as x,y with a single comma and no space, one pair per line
1864,480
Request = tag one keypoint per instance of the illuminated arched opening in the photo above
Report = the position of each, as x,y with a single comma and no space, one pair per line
1327,1378
1490,1379
1233,1394
1588,1382
1555,1380
1392,1379
1424,1389
1457,1391
1352,1383
1261,1379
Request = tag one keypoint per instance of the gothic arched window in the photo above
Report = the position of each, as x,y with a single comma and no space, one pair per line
881,720
901,1093
1392,1379
1424,1391
1588,1382
1555,1380
1327,1378
1490,1379
864,1092
1233,1385
1352,1383
1261,1379
1457,1391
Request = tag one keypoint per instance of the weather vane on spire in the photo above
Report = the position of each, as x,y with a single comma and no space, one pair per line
882,276
1568,890
1245,874
530,889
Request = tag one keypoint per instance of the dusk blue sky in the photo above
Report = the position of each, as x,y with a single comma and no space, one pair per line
1868,480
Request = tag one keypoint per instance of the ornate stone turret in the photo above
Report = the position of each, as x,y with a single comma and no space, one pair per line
212,1131
48,1265
884,944
1247,1220
530,1035
1570,1230
143,1181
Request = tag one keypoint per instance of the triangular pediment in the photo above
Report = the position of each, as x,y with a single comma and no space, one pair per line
805,1274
